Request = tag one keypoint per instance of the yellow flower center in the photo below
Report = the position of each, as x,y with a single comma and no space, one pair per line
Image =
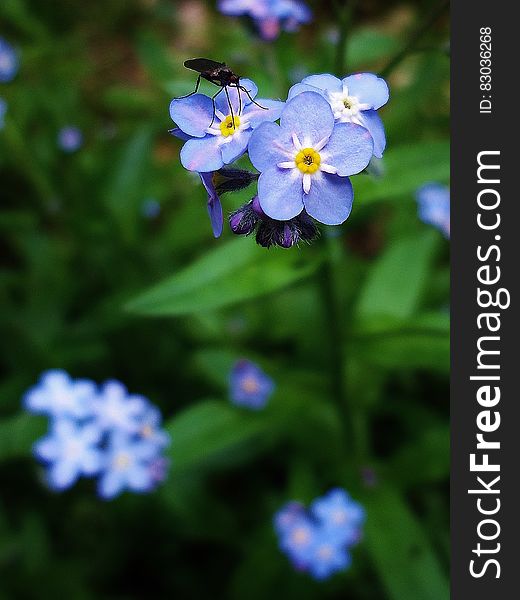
229,125
250,385
308,160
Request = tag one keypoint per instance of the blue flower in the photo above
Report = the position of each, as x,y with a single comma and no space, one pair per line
318,541
326,556
306,160
249,385
217,137
57,395
270,16
71,450
3,110
434,206
117,410
150,428
70,139
8,62
354,99
127,465
339,515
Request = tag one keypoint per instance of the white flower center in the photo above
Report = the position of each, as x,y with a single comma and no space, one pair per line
307,159
346,108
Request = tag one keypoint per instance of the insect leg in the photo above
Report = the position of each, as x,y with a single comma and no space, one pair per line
230,106
252,100
194,91
214,107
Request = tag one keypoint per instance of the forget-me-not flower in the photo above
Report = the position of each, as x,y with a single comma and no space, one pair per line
8,62
116,409
249,385
354,99
433,201
70,139
318,540
306,160
70,450
57,395
219,133
270,16
127,465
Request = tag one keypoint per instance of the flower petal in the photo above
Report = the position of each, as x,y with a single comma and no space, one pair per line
267,145
329,200
215,216
280,193
298,88
368,88
324,82
63,474
202,155
372,121
193,114
309,116
349,149
235,147
222,102
269,110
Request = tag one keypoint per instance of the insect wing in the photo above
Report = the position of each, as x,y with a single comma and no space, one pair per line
202,65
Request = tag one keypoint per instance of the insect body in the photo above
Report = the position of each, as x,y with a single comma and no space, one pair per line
217,73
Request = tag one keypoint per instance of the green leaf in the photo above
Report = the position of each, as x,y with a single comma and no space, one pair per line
18,434
215,432
405,168
233,272
400,550
394,285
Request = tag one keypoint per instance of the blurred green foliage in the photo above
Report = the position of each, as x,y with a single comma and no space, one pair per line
88,284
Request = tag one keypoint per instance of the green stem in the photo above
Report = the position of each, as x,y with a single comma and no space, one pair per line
416,35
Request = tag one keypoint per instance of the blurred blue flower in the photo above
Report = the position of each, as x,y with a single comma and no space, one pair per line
216,137
127,464
71,450
8,62
339,515
151,208
354,99
116,409
270,16
57,395
306,160
318,540
150,427
3,110
249,385
70,139
433,201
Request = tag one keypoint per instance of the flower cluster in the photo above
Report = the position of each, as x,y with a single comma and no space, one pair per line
433,201
249,386
328,130
100,432
269,16
318,540
8,62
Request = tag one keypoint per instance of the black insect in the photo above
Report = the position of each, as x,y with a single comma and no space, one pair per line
219,74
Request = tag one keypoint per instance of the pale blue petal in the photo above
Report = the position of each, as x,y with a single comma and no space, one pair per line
349,149
269,110
178,133
324,82
368,88
267,144
236,147
372,121
47,449
91,462
222,102
329,200
193,115
139,479
214,205
309,116
298,88
110,485
63,474
202,155
280,193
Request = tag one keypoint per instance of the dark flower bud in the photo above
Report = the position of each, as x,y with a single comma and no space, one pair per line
232,180
244,220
